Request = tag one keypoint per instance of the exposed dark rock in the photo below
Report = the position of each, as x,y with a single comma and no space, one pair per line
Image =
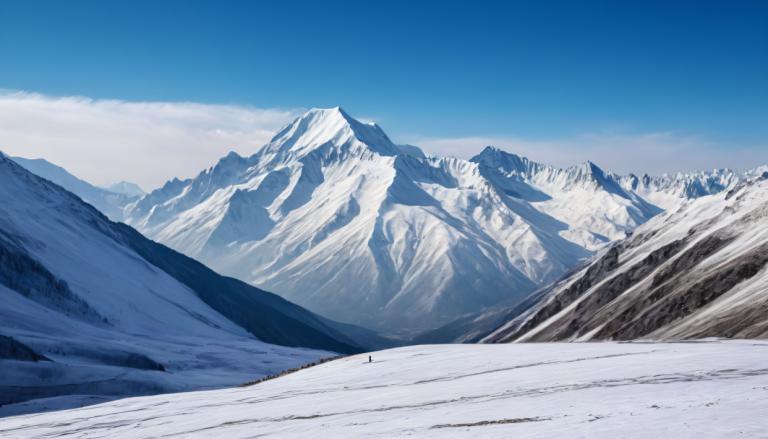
11,349
673,301
691,257
613,288
680,290
594,274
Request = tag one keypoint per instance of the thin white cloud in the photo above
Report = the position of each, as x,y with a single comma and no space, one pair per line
104,141
653,153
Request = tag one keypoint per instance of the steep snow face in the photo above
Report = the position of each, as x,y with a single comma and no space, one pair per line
336,217
89,300
107,201
698,271
595,390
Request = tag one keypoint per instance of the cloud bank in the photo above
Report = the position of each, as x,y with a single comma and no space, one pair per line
104,141
654,153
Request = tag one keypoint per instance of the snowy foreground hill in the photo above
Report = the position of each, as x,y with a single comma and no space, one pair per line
596,390
91,310
335,216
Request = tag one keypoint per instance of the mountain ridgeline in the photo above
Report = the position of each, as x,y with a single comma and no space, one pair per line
698,271
110,201
333,215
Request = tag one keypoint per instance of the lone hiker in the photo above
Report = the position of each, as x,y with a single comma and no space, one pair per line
370,359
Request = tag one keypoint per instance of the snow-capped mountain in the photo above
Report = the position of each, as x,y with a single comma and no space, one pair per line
126,188
699,271
668,190
592,203
335,216
91,307
109,201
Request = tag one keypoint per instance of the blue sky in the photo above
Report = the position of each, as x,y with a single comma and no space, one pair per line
528,71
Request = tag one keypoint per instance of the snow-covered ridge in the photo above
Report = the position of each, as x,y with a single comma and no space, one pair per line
126,188
665,191
698,271
321,127
335,216
109,201
91,307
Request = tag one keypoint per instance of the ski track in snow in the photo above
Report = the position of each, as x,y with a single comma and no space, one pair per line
710,389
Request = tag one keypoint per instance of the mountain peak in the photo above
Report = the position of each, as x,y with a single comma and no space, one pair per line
498,158
590,167
327,126
491,150
126,188
327,115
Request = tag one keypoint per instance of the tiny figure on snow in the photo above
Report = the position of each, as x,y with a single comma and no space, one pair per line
370,359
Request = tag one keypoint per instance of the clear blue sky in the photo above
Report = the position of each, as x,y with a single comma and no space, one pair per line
533,69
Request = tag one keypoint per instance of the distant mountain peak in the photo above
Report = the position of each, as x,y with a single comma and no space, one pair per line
126,188
109,202
492,151
232,155
587,171
498,158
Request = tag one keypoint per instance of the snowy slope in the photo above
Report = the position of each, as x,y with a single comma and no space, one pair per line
117,314
333,215
698,271
110,202
592,390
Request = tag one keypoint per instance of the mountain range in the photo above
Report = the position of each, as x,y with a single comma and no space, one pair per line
336,217
698,271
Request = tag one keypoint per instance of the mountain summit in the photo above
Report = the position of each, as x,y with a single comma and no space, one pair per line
330,128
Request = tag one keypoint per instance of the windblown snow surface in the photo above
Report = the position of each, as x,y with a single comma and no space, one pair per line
592,390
